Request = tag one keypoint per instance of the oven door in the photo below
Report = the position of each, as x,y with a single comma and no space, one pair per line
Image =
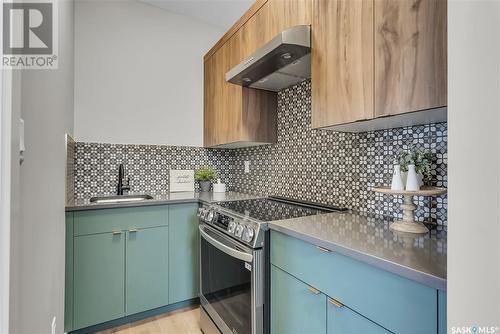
231,283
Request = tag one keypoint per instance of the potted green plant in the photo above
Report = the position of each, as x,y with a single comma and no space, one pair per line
418,161
205,176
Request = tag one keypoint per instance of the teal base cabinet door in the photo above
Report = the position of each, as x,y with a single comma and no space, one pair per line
393,302
442,312
342,320
295,306
146,269
121,262
183,252
99,285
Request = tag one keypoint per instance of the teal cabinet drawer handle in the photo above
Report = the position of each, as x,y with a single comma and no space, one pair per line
323,249
313,290
133,230
116,232
335,302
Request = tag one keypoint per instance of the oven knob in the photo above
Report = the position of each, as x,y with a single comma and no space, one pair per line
209,216
239,230
248,234
201,212
231,226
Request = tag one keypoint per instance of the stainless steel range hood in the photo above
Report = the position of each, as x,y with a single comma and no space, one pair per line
284,61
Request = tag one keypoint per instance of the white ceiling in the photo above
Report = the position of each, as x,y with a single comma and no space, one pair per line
220,13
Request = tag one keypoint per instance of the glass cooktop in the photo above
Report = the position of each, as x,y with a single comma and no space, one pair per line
277,208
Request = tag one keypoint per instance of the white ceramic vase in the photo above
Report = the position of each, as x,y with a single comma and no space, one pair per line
397,180
412,181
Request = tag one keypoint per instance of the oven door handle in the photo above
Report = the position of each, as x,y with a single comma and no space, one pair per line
224,248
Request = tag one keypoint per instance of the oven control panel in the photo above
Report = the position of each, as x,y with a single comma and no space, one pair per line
240,229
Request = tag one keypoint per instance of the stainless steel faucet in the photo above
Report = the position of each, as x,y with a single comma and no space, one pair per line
121,187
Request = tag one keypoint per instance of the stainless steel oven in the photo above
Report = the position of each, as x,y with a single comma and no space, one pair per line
232,283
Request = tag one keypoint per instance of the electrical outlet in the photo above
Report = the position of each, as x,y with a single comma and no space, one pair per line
247,166
53,325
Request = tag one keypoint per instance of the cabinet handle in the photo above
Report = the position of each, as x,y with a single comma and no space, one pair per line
323,249
335,302
116,232
132,230
313,290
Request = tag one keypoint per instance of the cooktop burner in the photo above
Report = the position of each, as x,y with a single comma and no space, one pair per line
276,208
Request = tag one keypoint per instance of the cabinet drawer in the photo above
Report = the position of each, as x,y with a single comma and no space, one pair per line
295,307
392,301
108,220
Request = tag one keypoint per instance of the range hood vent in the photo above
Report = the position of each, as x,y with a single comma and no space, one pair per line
284,61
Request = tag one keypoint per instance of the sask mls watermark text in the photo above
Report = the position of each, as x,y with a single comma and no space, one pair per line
29,35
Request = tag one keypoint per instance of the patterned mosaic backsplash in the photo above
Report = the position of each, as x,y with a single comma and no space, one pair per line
315,165
148,166
338,168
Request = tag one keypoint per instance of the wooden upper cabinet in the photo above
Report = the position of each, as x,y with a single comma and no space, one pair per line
284,14
210,101
229,114
375,58
271,19
235,116
222,100
342,62
410,55
254,33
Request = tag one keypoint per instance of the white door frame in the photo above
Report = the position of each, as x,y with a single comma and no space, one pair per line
5,189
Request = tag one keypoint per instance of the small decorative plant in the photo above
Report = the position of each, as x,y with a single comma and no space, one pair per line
205,176
422,159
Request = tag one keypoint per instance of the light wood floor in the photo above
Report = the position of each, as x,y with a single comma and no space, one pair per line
184,321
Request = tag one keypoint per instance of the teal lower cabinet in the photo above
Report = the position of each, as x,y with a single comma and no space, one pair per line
146,269
123,262
295,306
442,312
343,320
99,283
183,252
359,298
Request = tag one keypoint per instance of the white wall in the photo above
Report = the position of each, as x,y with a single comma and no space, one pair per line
38,233
474,164
139,74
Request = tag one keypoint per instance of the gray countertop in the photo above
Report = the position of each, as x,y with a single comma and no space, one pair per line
368,239
171,198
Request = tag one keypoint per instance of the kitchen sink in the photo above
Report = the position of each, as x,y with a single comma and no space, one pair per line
120,198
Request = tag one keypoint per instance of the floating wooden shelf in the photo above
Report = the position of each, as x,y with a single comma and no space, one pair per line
408,224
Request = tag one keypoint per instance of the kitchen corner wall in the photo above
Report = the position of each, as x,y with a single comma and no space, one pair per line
315,165
138,74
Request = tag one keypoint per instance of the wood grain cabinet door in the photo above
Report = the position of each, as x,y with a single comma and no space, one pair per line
222,100
342,61
410,55
284,14
210,103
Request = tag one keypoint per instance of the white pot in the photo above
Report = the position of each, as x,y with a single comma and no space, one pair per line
397,180
412,181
